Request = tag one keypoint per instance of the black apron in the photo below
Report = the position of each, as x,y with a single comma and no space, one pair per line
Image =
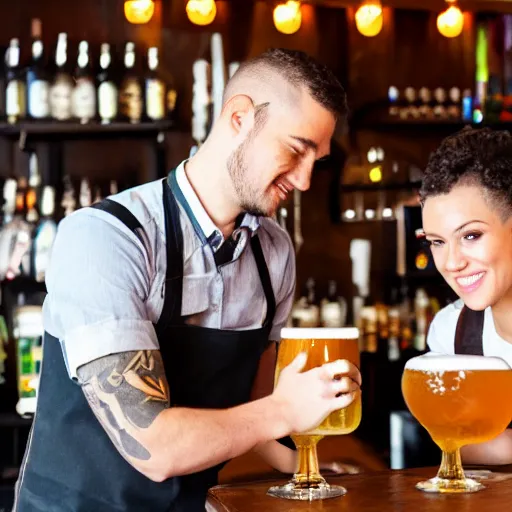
71,465
469,334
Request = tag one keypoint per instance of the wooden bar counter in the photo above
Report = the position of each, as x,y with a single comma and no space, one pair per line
385,491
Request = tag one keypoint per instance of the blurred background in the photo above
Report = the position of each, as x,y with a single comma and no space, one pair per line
100,95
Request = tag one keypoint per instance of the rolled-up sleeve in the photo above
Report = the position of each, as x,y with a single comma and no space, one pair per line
98,283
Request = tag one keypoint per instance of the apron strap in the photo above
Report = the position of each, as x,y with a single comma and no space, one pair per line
469,332
171,310
120,212
265,280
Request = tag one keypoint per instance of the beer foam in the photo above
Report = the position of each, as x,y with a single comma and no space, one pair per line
320,333
433,362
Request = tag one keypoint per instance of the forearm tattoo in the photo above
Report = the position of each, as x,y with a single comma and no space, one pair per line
126,392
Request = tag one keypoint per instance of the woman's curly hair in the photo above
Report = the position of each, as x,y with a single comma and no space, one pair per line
472,156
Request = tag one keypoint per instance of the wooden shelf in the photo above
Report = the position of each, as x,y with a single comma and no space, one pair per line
13,420
443,127
44,130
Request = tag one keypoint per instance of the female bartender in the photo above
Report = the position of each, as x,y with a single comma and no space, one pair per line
467,218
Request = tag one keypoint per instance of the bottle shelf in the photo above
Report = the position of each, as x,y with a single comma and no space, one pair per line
53,129
444,127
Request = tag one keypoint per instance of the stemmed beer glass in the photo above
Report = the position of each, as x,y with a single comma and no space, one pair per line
460,400
323,345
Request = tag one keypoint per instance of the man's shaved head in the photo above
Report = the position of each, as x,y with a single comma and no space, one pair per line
278,117
280,75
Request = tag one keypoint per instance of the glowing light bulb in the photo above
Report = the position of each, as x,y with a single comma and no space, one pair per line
139,11
201,12
375,174
288,17
450,22
369,18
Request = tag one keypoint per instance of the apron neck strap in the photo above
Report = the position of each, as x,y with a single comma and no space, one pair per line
173,288
469,332
265,279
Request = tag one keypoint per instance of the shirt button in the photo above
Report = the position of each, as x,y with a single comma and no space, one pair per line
215,308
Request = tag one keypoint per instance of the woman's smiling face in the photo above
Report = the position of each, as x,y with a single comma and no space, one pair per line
471,242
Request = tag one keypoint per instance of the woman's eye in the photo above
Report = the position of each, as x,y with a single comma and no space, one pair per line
472,236
435,243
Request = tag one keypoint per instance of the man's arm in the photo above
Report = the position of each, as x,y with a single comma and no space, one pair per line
495,452
274,453
129,395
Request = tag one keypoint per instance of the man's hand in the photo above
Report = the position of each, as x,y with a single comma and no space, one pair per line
307,398
285,460
129,395
340,468
496,452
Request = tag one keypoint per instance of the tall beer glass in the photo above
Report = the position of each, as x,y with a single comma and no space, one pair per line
460,400
323,345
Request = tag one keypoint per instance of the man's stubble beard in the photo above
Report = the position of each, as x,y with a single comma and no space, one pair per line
250,200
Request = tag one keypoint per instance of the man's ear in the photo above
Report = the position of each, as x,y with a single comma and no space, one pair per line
240,111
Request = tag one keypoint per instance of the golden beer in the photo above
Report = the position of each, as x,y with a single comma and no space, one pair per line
322,349
322,345
460,400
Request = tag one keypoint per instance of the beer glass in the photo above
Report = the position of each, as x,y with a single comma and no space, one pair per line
459,400
323,345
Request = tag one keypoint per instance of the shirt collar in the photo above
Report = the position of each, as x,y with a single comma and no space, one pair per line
202,220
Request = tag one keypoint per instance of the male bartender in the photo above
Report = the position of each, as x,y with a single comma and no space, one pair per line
164,305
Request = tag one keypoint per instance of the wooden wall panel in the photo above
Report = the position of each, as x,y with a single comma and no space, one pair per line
408,51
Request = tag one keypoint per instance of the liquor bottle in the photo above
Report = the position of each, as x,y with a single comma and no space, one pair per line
62,86
114,188
333,309
98,196
32,195
28,332
68,202
467,106
305,312
382,329
3,84
425,109
44,235
394,333
482,71
172,98
38,87
440,111
85,195
506,114
4,339
393,95
454,105
369,331
154,89
20,232
83,100
130,91
15,95
411,110
107,88
421,305
8,231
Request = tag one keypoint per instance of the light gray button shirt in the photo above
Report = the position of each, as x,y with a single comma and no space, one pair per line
105,284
